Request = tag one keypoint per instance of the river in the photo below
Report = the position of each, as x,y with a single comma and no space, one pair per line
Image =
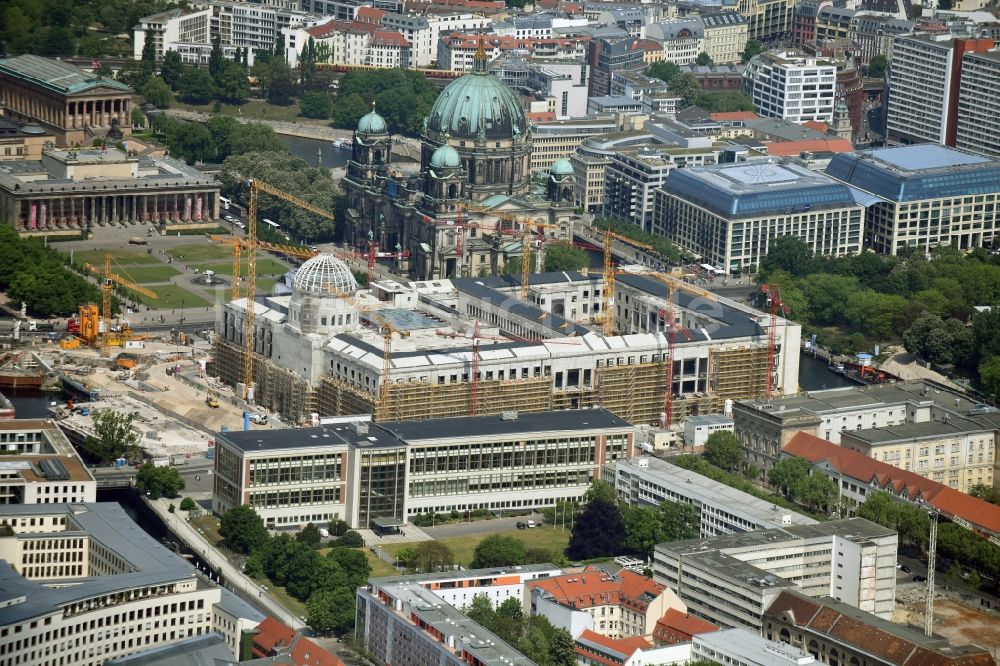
306,149
814,376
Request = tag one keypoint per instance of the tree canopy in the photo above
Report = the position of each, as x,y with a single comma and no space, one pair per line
113,436
877,67
243,529
723,450
532,635
157,92
196,85
597,532
498,550
159,482
565,257
403,97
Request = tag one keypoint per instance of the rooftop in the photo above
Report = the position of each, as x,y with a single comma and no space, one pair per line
900,482
921,171
678,627
57,76
595,587
755,648
887,641
205,650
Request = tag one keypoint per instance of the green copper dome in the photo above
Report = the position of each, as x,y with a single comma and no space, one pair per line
561,167
372,123
477,105
445,157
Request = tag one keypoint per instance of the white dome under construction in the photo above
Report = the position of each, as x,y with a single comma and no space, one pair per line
325,275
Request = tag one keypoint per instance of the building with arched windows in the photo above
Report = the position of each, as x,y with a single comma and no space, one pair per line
474,185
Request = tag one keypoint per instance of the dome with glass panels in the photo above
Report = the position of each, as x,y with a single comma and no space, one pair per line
325,275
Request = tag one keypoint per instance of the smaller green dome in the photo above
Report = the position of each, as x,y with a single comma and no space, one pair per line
372,123
561,167
446,157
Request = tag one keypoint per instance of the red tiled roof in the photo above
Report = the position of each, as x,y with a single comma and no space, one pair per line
723,116
506,42
794,148
386,38
817,125
877,637
540,116
307,653
650,45
271,634
902,482
327,29
676,627
621,647
593,587
369,15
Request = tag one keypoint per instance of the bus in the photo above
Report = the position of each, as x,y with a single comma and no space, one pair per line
272,224
712,270
225,202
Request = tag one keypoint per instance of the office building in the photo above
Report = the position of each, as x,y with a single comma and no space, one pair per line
459,588
858,475
924,87
607,55
636,173
732,579
977,127
923,196
68,102
81,584
722,509
204,649
791,86
401,622
739,646
836,632
560,139
697,429
729,214
885,421
366,471
717,77
40,466
72,191
22,141
615,605
590,162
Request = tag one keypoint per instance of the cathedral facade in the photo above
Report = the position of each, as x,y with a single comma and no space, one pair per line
465,213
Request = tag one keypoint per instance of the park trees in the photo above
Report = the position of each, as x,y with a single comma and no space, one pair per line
157,92
309,535
679,521
196,85
159,482
723,450
243,529
232,85
171,68
643,529
532,635
315,104
565,257
188,504
498,550
402,97
877,67
113,436
432,556
597,532
752,48
787,473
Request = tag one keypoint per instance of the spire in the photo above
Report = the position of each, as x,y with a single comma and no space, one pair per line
481,59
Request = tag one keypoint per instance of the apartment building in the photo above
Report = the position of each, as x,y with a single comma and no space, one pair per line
729,214
361,472
424,32
924,87
726,35
739,646
836,632
457,51
833,24
731,580
682,39
940,435
188,26
767,19
615,605
351,43
81,584
723,510
590,162
607,55
40,466
636,173
875,34
977,127
857,475
924,195
792,86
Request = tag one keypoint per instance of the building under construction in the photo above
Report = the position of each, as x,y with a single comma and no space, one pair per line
471,346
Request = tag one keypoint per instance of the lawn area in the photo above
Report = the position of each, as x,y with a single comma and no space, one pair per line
120,257
254,109
553,539
171,297
266,285
265,266
295,606
379,566
209,524
206,251
148,274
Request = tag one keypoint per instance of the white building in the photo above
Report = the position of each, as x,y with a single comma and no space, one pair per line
350,43
40,466
563,87
81,584
978,127
723,510
726,34
188,26
697,429
459,588
791,85
682,39
424,32
729,213
732,579
744,648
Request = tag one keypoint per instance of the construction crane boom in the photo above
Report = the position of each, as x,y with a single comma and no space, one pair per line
526,267
111,279
609,277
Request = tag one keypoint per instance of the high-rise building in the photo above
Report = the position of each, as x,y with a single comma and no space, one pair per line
924,83
978,125
791,85
611,54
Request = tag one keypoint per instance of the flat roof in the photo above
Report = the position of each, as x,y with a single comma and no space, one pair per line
57,76
753,647
204,650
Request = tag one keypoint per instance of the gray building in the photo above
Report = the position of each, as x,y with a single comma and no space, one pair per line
978,127
732,579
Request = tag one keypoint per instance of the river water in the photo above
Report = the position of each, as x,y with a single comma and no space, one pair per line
814,375
331,156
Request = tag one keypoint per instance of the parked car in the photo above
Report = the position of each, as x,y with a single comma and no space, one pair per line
919,579
521,525
258,418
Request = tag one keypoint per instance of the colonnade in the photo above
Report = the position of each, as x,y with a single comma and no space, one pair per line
65,112
82,212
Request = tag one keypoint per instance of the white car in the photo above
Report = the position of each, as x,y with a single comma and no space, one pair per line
258,418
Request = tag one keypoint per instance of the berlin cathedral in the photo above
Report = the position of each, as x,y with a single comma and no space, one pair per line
465,212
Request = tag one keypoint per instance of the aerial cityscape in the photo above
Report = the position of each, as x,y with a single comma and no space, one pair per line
499,333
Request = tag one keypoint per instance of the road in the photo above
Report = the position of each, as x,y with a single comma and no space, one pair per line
453,530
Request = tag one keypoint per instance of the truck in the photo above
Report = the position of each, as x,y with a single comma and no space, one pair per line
178,459
161,462
324,533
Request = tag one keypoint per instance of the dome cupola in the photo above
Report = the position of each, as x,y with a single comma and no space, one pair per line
372,123
446,157
325,275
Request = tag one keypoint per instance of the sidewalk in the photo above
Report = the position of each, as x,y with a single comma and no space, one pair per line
237,581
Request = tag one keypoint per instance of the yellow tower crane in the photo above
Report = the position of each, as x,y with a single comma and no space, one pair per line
609,278
527,227
107,285
252,245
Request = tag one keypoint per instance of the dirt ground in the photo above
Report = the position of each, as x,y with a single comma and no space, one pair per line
958,623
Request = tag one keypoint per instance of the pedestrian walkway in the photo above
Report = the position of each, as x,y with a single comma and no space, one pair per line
409,534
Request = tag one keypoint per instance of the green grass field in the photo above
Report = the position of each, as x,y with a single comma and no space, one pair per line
553,539
208,524
148,274
119,257
171,297
265,266
202,252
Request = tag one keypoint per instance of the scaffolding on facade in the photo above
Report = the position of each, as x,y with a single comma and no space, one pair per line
277,389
